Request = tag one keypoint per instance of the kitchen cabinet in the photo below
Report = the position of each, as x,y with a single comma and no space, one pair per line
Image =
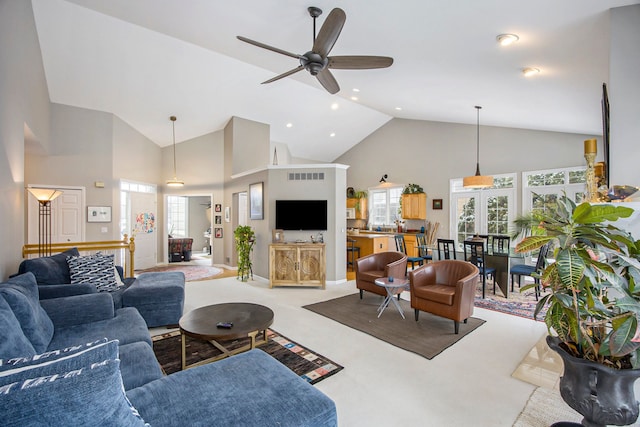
360,206
414,206
297,264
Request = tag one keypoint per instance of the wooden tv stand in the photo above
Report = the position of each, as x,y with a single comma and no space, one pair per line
297,264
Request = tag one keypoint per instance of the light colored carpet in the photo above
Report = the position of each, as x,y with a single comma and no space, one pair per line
545,407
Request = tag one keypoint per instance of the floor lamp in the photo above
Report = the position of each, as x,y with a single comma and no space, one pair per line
44,197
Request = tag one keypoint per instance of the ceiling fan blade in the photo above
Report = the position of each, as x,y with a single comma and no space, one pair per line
271,48
327,80
288,73
329,32
359,62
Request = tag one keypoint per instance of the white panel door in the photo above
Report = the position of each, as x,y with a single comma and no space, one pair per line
67,217
143,220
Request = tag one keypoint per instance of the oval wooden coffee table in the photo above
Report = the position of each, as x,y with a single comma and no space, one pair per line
248,321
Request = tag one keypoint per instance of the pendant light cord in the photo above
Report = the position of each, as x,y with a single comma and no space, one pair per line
478,140
173,120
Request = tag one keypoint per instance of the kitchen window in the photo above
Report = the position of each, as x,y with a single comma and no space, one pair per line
384,206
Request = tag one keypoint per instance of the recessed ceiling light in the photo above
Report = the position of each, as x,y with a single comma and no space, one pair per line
354,98
289,125
530,71
335,106
332,134
507,39
355,89
399,108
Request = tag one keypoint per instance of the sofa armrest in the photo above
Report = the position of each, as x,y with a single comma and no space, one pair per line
79,309
59,291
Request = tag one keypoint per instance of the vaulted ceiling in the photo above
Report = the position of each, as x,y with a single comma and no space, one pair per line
146,60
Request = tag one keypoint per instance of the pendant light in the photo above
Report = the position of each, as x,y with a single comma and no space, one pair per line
477,180
175,182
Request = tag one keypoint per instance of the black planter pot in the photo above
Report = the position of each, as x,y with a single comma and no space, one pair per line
602,395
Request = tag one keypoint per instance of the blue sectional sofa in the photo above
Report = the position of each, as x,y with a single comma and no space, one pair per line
159,297
78,361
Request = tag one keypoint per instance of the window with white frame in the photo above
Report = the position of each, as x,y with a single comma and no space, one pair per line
126,188
177,215
384,205
488,211
542,189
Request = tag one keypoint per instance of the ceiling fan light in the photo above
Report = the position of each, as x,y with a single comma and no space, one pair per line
507,39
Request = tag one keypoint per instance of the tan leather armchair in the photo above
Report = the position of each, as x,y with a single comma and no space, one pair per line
444,288
375,266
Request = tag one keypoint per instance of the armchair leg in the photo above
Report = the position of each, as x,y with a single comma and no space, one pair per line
465,320
456,326
416,313
361,292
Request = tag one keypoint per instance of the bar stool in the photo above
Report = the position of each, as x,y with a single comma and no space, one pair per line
352,250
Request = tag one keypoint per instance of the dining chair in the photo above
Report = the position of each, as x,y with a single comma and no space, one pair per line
423,250
353,252
446,248
531,270
487,240
474,253
500,244
401,246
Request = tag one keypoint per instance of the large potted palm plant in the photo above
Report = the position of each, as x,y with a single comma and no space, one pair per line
593,306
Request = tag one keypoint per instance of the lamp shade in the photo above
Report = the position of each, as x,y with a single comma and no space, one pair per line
44,194
477,181
175,182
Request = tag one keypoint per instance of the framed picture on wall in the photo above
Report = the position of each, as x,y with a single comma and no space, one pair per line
218,232
255,201
218,219
218,207
98,213
437,204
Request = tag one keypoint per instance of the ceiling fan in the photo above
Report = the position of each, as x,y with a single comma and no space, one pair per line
317,61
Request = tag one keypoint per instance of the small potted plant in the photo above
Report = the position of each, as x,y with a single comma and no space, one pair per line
593,306
245,238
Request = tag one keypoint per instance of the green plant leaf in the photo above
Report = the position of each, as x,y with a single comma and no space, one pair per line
624,329
570,267
586,213
532,243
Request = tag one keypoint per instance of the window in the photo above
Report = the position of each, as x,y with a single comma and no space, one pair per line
177,214
384,205
541,190
126,188
488,211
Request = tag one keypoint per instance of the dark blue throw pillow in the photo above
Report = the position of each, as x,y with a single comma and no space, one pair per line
51,270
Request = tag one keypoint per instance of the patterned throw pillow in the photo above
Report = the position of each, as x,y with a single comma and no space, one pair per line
89,393
96,269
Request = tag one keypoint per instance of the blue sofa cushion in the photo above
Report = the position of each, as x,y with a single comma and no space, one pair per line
98,269
21,292
36,359
249,389
54,391
138,365
54,362
13,342
51,270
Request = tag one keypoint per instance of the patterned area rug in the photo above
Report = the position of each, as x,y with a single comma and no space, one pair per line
192,273
517,304
306,363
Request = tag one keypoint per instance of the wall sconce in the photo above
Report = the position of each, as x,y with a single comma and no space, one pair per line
384,178
44,197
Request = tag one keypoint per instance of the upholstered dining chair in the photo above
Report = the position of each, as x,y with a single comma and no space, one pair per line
446,249
423,251
474,253
444,288
378,265
531,270
401,246
500,244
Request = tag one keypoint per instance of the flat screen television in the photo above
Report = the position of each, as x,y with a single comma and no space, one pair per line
301,215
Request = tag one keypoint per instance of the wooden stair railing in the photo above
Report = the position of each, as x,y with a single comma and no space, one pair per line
123,249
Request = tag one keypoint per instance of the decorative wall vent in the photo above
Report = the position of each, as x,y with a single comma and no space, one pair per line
306,176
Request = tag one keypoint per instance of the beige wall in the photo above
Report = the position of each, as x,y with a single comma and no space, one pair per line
432,153
624,95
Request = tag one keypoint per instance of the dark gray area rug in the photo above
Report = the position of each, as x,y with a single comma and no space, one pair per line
428,337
